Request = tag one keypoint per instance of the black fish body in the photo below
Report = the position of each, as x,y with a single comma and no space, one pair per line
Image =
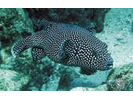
69,45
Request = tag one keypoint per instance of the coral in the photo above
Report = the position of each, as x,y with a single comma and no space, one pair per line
67,76
121,79
12,81
0,53
99,88
52,84
85,17
14,23
41,72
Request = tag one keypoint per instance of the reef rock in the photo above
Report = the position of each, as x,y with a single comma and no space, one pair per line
13,22
0,53
12,81
71,78
67,76
99,88
52,84
121,79
85,17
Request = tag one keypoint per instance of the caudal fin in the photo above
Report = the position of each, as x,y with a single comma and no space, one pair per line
18,47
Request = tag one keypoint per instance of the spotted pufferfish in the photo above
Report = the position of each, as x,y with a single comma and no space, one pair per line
69,45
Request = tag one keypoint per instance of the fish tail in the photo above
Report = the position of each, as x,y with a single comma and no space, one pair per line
36,40
20,46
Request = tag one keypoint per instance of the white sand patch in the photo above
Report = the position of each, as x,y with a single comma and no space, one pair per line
118,35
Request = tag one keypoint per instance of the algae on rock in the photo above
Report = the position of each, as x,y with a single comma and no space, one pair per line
99,88
121,79
67,76
12,81
14,23
84,17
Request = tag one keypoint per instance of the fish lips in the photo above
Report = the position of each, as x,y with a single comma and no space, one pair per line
109,65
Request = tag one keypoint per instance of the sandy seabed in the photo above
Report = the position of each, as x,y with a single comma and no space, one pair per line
118,34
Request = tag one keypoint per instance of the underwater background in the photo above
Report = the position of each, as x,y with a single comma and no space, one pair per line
113,26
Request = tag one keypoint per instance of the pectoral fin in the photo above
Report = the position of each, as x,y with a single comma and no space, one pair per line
64,50
37,53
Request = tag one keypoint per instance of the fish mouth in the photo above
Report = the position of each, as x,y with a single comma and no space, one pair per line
109,65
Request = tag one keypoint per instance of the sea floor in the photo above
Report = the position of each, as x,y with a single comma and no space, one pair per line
118,34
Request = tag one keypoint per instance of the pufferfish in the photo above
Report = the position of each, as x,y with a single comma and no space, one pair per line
69,45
